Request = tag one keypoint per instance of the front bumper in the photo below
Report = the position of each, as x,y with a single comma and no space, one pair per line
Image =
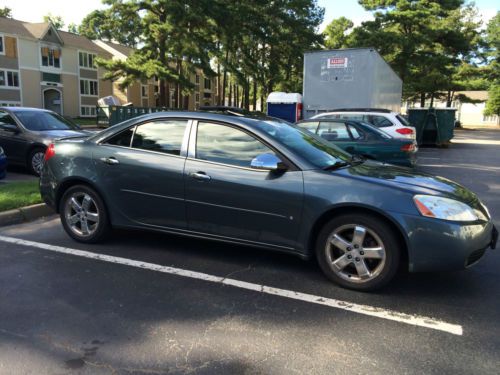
438,245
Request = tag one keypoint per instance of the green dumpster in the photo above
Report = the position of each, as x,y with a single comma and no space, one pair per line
434,126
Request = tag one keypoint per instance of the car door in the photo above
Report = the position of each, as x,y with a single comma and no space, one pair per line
13,142
141,171
227,198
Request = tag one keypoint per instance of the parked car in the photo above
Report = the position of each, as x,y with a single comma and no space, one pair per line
25,134
265,183
365,140
392,123
3,164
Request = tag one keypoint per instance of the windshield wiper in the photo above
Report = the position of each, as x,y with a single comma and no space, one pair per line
336,165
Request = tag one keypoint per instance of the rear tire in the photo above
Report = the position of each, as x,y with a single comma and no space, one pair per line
84,215
358,251
35,161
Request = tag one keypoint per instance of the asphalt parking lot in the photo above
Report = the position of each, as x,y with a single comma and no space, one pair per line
145,303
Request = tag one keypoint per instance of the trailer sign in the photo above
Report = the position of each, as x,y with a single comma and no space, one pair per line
337,62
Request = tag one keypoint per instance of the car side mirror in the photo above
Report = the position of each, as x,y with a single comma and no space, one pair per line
9,128
267,162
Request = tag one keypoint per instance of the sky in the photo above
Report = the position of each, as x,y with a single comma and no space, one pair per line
73,11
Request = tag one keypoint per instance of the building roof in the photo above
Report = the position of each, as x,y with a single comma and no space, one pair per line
39,30
481,95
127,51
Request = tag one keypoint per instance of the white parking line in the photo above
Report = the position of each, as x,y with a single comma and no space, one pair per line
415,320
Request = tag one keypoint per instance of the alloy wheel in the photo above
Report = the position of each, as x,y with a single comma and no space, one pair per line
81,214
355,253
37,162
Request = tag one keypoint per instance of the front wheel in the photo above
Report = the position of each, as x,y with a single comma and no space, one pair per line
35,161
358,252
83,214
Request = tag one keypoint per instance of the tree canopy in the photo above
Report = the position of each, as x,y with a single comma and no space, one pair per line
56,21
6,12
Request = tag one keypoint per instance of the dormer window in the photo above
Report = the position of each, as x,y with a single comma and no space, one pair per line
51,57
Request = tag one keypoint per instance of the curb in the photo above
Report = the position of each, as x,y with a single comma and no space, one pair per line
24,214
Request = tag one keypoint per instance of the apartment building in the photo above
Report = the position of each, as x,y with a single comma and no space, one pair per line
47,68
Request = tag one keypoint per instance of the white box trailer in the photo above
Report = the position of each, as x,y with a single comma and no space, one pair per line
349,78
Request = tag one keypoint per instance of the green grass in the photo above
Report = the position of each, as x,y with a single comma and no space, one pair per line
19,194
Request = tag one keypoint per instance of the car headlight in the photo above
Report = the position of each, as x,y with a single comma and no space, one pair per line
445,208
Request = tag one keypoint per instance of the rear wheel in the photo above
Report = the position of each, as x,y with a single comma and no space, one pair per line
358,252
35,161
83,214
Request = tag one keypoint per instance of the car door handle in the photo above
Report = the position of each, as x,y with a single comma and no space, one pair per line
111,161
200,176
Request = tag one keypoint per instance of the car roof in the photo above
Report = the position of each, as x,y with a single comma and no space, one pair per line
17,109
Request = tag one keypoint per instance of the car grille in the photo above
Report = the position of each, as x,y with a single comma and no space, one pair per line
474,257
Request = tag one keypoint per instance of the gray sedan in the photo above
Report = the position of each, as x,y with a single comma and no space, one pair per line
25,134
262,182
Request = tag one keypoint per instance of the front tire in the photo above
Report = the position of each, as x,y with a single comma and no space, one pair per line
35,161
358,251
84,215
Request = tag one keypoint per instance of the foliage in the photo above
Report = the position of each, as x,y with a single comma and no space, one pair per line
493,71
73,28
493,103
336,33
19,194
56,21
6,12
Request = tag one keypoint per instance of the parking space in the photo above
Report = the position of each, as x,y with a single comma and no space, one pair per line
155,303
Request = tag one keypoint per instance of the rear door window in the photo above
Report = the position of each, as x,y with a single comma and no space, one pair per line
380,121
333,131
164,136
356,134
121,139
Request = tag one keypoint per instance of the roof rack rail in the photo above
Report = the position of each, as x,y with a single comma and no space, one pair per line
382,110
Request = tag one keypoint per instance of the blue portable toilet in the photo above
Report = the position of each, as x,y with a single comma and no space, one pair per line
286,106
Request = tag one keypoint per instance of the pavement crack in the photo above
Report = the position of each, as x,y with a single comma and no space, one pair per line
245,269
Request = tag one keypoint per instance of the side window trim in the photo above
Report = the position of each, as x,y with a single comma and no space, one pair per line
184,145
193,137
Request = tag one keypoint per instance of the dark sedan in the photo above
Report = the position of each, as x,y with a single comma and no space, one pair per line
365,140
262,182
25,134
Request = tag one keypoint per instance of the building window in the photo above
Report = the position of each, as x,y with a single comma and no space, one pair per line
87,60
197,79
9,78
144,91
491,118
87,111
51,57
208,84
1,45
88,87
197,98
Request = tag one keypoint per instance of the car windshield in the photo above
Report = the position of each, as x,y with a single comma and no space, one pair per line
306,144
44,121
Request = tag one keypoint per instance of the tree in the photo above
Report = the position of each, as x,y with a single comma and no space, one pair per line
336,33
73,28
6,12
56,21
493,68
425,41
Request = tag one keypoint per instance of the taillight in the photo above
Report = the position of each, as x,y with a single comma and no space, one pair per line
410,147
51,151
404,131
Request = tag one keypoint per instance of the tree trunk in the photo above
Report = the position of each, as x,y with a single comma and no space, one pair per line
449,98
224,80
254,100
230,100
218,84
432,100
247,94
163,96
422,100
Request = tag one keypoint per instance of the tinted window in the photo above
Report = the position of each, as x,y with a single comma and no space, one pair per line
224,144
402,120
380,121
333,131
5,118
122,139
356,134
44,121
311,126
160,136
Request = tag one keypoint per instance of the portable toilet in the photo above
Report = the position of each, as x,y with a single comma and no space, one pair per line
286,106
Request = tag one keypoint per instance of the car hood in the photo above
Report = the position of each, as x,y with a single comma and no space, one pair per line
408,179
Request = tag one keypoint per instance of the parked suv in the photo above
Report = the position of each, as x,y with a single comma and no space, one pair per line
390,122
